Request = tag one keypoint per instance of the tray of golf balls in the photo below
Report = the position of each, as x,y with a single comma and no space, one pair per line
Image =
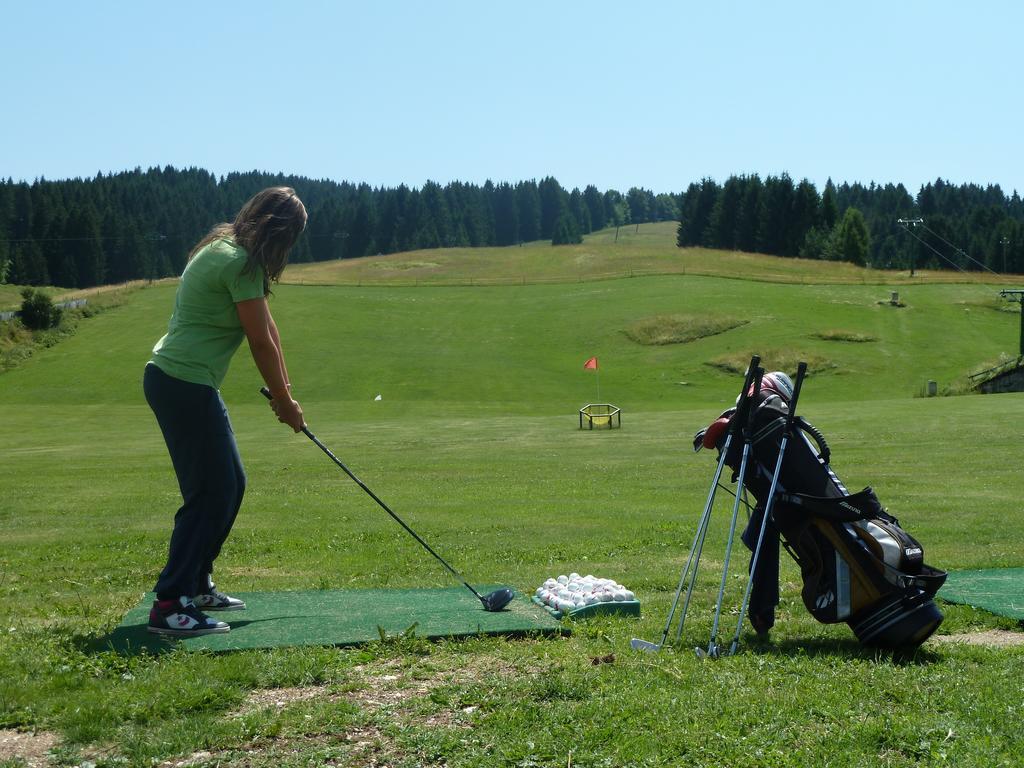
577,597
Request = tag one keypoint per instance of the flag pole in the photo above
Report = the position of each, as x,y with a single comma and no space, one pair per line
592,363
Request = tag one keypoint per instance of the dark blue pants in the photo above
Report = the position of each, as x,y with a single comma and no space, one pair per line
199,438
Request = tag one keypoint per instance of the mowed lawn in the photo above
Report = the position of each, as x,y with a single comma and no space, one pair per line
475,442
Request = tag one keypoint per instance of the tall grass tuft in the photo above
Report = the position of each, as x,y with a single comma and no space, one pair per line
679,329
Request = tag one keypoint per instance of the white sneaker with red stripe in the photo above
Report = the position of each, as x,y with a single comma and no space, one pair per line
217,601
181,618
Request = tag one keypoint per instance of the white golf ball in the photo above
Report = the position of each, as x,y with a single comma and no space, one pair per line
619,595
539,592
605,596
591,599
563,579
573,576
630,595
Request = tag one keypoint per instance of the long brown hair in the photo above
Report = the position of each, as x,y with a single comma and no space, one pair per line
267,227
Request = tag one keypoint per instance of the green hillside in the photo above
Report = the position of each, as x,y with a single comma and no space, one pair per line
629,251
523,347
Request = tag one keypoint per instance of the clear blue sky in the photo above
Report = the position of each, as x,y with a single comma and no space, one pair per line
650,94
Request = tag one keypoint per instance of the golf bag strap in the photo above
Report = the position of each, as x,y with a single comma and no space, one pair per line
815,433
863,505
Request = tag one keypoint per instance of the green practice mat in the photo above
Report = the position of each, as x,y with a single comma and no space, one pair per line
349,617
997,590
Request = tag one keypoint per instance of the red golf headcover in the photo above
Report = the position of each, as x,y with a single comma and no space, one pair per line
715,432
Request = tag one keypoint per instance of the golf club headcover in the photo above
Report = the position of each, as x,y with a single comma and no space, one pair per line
712,436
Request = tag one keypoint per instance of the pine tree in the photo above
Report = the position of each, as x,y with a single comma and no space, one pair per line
580,211
28,267
506,215
528,199
595,204
721,228
437,227
852,242
553,202
804,215
829,208
776,203
747,218
5,258
566,231
82,245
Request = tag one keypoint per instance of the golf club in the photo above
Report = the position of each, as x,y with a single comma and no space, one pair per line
638,644
493,601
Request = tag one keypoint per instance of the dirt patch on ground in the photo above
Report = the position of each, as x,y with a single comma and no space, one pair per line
993,638
280,698
31,747
378,686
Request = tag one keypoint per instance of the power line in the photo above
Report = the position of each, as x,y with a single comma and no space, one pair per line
961,251
908,223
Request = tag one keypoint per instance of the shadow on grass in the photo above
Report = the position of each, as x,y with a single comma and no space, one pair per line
847,648
136,640
131,640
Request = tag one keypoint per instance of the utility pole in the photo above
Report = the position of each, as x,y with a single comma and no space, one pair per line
907,224
1006,242
1017,295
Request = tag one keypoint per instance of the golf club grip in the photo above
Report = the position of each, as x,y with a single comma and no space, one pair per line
752,412
755,363
801,371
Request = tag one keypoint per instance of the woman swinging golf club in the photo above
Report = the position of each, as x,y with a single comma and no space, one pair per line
222,299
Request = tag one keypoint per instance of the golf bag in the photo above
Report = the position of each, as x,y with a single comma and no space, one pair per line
858,565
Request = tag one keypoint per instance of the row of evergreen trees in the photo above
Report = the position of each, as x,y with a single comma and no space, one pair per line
142,224
966,227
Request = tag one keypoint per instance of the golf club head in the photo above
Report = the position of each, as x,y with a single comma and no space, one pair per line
498,599
644,645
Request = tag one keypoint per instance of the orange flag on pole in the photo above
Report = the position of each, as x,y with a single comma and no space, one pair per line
591,363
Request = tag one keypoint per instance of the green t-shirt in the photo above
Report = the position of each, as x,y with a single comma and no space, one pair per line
205,331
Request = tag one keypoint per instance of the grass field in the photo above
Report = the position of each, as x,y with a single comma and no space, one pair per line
475,443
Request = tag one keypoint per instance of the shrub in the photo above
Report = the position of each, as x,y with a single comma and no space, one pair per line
37,310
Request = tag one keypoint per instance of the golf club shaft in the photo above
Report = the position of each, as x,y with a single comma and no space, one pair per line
698,539
305,430
747,442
